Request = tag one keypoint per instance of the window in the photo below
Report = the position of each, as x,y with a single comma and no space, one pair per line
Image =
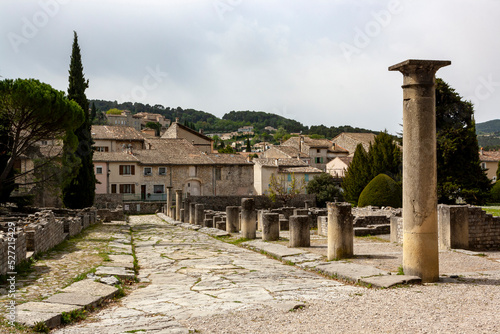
148,171
127,188
318,150
158,189
306,177
218,173
102,149
289,177
192,170
127,170
319,160
162,170
113,188
45,142
98,170
483,165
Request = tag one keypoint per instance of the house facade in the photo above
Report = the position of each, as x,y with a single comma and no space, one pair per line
284,169
146,174
338,166
116,138
489,162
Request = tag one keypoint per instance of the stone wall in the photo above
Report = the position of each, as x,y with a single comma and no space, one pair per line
40,231
484,230
108,201
135,208
364,221
460,226
219,203
43,232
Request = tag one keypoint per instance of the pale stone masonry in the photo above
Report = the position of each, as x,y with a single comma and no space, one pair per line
420,237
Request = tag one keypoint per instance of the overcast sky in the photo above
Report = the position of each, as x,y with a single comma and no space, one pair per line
316,61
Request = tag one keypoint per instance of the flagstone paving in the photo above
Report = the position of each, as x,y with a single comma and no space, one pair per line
186,274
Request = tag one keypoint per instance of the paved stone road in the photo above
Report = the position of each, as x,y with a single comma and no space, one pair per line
193,275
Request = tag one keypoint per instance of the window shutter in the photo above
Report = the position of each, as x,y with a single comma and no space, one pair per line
121,169
106,149
133,189
113,188
132,170
121,188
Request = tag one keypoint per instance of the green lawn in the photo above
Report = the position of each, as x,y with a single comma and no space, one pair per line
494,210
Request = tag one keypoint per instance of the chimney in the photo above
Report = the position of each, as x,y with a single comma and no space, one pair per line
201,131
177,120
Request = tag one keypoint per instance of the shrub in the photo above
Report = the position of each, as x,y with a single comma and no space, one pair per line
381,191
495,193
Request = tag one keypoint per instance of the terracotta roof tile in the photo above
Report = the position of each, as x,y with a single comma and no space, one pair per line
307,169
272,162
107,132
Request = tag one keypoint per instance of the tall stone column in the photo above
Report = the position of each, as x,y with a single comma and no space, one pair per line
232,218
192,207
178,201
248,218
340,231
420,228
169,202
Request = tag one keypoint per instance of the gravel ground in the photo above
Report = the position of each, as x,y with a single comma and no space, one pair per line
467,306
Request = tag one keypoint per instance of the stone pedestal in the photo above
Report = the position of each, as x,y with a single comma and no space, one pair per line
453,223
199,214
248,218
232,218
340,231
178,201
420,228
208,222
192,208
186,211
181,215
270,226
300,212
169,202
308,204
299,231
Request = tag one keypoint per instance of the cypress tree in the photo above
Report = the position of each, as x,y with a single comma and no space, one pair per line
385,157
80,192
459,171
357,175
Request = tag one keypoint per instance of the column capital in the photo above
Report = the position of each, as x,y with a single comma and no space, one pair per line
419,72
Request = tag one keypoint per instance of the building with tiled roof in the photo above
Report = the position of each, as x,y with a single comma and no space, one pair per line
109,138
349,140
284,169
319,151
489,162
198,139
145,174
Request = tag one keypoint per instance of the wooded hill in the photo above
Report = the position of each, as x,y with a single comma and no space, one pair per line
488,134
231,121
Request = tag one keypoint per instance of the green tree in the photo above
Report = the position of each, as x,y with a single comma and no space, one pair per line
459,171
29,112
385,157
80,192
284,187
248,148
155,126
498,171
357,176
114,111
227,149
326,189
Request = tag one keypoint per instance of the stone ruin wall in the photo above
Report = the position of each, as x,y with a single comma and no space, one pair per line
40,232
483,229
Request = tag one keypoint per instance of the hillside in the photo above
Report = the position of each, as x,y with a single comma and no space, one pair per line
488,134
488,127
230,121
